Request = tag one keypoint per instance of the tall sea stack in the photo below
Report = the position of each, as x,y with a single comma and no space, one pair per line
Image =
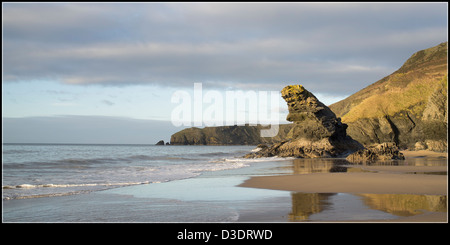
317,132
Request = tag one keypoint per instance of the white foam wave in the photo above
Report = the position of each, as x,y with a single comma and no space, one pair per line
28,186
261,159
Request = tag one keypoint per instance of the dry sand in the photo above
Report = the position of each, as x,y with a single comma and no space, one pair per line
387,180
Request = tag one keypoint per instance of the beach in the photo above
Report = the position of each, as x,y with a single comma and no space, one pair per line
416,179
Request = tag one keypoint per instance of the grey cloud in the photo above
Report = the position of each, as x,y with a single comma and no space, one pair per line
221,44
107,102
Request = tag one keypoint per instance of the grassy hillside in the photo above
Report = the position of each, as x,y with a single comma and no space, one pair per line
408,107
407,89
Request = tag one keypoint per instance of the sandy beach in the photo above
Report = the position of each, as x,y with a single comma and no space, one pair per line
383,179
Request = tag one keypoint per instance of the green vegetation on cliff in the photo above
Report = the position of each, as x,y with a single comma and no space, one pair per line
407,89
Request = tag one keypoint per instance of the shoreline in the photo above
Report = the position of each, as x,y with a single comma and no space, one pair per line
381,180
220,197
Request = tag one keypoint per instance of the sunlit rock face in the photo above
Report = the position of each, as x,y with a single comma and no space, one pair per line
317,132
313,120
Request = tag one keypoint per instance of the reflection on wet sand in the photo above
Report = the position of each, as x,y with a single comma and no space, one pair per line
402,205
405,204
417,162
326,165
333,165
306,204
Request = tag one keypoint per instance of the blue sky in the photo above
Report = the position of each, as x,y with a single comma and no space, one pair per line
118,64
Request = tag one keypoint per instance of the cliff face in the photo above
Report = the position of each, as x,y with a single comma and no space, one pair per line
227,135
316,132
408,107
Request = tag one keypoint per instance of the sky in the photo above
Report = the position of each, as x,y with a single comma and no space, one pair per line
114,72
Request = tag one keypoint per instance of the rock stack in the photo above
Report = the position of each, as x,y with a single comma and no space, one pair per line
317,132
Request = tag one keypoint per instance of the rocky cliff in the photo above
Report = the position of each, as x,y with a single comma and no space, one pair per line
408,107
228,135
316,131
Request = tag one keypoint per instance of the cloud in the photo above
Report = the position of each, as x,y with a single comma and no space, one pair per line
108,103
320,45
63,104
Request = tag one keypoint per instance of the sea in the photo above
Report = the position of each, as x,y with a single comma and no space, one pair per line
45,170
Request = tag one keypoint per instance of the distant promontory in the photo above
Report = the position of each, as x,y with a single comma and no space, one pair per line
227,135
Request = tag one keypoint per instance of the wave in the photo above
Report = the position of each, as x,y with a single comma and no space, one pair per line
131,158
45,195
83,163
63,189
28,186
75,163
260,159
15,151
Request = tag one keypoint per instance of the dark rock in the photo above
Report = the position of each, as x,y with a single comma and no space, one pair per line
262,146
384,151
317,132
161,142
228,135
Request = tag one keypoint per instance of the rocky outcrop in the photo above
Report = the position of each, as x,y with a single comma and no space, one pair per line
312,119
161,142
316,132
384,151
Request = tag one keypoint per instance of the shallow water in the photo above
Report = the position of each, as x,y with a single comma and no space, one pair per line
43,170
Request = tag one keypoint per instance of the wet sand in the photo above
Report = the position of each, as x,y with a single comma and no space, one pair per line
375,183
383,180
424,153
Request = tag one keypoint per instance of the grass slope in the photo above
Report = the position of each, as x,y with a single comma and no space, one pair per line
407,89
